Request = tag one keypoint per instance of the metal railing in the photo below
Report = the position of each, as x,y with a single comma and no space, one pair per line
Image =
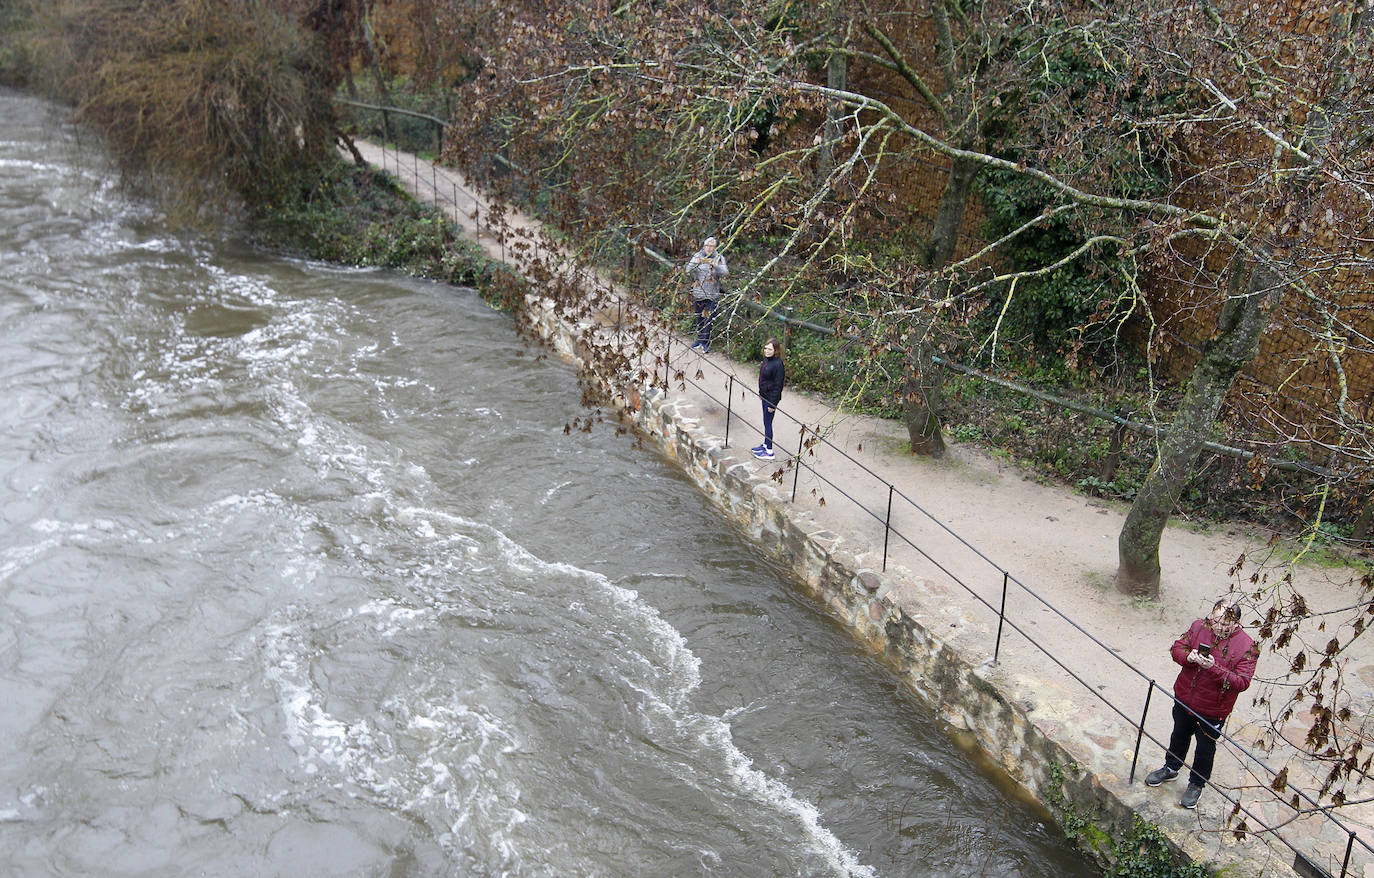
799,460
809,437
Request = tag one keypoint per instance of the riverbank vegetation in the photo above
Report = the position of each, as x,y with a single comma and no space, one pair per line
227,109
1143,851
359,216
224,105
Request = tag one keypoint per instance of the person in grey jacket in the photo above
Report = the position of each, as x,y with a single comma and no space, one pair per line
706,269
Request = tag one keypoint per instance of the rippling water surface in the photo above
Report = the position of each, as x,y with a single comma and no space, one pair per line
300,575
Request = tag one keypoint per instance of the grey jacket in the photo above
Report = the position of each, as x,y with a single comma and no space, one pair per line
706,273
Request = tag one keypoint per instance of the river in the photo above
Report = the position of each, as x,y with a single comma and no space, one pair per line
302,574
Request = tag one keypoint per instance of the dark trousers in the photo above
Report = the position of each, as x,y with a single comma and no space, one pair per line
705,310
1187,727
769,410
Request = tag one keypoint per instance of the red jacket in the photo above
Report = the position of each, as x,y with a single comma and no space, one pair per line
1212,691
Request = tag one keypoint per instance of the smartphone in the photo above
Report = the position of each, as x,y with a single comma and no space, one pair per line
1204,649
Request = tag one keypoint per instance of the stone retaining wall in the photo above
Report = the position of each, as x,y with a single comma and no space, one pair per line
1055,768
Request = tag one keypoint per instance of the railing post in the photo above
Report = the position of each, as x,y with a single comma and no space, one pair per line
1001,617
386,135
1349,843
729,402
796,463
668,363
1140,731
887,525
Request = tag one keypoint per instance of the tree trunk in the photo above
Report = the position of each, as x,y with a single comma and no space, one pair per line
1242,322
921,387
920,397
365,22
944,235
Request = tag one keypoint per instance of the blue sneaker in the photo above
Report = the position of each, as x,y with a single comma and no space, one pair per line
764,453
757,448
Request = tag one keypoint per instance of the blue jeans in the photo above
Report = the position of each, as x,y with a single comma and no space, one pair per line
769,410
705,310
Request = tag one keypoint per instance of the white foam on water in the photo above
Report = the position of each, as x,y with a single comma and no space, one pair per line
715,733
17,558
63,534
31,166
548,495
673,673
442,763
394,618
310,729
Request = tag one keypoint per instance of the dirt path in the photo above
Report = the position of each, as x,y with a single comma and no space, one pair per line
1059,545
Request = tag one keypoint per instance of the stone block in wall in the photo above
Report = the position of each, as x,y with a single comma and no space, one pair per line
737,482
769,538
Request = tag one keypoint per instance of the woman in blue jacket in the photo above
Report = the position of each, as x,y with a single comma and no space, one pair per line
772,375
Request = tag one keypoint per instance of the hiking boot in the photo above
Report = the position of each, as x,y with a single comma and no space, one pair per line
1159,776
1190,796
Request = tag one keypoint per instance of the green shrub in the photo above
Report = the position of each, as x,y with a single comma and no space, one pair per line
965,433
1143,852
16,59
359,216
226,114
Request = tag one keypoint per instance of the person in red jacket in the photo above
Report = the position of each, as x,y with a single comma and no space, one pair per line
1218,661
